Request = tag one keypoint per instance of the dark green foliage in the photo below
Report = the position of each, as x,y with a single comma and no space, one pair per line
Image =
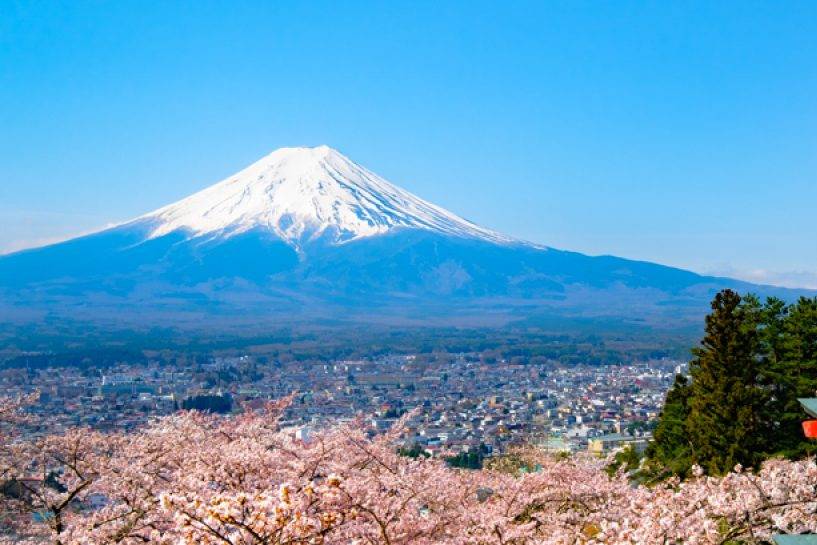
670,446
209,403
628,458
473,459
415,451
741,404
726,402
640,425
790,371
95,348
86,359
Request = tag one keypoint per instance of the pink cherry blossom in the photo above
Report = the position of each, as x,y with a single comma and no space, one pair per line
197,478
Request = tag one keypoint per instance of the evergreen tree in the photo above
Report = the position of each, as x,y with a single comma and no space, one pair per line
727,403
670,448
790,370
741,406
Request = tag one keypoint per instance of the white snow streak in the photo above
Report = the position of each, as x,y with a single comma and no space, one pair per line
307,194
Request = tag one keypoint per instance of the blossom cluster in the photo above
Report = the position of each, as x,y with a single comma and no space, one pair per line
197,478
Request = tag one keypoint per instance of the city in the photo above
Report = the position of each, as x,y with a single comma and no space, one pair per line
461,402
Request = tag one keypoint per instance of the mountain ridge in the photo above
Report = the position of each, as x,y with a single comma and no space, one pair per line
306,233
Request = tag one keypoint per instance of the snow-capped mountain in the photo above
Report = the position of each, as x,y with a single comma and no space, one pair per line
306,195
306,234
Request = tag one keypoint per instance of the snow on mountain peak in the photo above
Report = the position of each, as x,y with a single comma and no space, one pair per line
307,194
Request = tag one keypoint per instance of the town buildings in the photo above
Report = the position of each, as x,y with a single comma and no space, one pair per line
458,402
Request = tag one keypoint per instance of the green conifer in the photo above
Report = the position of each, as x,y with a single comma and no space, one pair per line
670,448
790,370
727,403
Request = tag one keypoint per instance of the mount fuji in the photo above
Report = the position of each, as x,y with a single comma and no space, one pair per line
308,195
306,234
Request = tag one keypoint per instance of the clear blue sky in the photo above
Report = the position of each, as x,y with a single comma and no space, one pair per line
683,133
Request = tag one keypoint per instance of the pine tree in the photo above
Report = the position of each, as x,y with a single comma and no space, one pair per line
727,403
741,406
790,370
669,451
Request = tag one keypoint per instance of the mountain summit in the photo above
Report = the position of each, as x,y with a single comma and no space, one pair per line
306,234
308,195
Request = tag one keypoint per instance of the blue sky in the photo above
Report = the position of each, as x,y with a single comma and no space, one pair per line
683,133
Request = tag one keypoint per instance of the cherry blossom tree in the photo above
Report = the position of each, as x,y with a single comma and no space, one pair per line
199,478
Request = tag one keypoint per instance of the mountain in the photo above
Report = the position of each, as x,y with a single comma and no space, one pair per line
308,195
306,234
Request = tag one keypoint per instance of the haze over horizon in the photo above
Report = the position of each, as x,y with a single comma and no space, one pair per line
698,151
